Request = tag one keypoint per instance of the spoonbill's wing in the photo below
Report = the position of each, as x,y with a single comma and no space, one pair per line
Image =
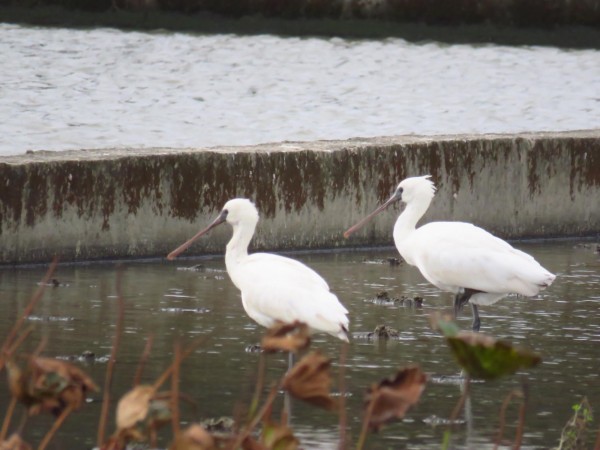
278,288
456,255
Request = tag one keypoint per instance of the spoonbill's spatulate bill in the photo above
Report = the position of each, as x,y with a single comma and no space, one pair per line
274,288
459,257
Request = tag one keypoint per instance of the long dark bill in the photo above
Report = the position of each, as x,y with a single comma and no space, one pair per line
364,221
219,220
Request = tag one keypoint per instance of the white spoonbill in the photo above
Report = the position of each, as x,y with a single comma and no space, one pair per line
459,257
274,288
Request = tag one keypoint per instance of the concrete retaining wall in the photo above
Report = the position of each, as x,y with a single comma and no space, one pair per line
142,203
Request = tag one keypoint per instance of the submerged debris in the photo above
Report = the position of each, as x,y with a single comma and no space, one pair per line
394,261
224,425
436,421
253,348
383,332
391,261
384,298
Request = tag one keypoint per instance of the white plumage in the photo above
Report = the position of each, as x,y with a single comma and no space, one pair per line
459,257
273,287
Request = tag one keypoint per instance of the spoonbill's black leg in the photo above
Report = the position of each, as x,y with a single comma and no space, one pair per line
461,299
476,320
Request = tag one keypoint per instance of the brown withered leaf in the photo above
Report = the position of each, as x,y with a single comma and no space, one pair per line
14,442
195,437
310,380
139,411
252,444
392,397
286,337
49,385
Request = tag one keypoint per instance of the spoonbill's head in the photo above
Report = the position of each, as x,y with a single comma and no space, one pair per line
234,212
413,189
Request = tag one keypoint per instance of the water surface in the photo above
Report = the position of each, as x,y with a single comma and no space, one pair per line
71,89
170,301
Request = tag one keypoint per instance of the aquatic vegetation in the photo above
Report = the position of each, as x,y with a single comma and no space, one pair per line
483,356
573,436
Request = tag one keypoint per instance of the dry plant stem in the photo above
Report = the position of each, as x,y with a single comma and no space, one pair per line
7,418
505,403
342,404
55,426
266,407
40,348
175,390
187,352
140,368
111,363
259,385
13,348
461,401
597,445
365,425
37,296
522,410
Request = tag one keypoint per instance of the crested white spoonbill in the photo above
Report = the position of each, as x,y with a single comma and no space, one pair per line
459,257
274,288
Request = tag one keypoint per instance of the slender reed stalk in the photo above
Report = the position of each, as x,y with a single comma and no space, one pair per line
37,296
187,352
365,425
260,381
175,391
7,418
265,408
18,341
522,411
455,412
505,403
111,362
342,403
145,355
55,426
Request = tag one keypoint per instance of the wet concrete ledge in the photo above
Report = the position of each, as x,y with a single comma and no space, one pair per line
137,203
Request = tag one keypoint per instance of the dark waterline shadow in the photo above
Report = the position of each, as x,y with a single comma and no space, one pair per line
575,37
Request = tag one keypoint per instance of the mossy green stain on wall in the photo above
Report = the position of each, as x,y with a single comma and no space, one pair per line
127,203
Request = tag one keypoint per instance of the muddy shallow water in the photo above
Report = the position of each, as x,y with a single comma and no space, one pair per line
171,301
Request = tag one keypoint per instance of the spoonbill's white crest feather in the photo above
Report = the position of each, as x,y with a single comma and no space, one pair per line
459,257
273,287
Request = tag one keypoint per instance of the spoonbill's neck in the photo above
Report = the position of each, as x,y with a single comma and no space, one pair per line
407,221
237,247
